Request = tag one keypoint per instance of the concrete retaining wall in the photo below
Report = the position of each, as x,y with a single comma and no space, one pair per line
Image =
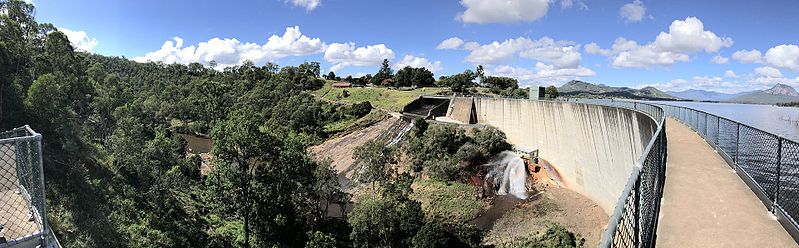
593,147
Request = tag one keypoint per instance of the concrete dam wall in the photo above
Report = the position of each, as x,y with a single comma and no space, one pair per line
593,147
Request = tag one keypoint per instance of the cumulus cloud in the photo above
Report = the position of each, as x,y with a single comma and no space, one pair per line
413,61
767,71
684,38
720,60
544,74
346,54
451,43
730,74
502,11
79,39
747,57
629,54
593,48
309,5
471,45
690,36
633,12
563,54
784,56
230,52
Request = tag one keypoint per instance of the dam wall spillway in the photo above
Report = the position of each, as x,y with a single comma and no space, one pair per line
593,147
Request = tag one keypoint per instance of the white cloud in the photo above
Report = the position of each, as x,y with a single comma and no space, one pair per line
451,43
784,56
559,53
413,61
567,4
544,74
563,54
633,12
629,54
690,36
471,45
720,60
545,71
730,74
767,71
343,55
496,52
684,38
747,57
79,39
230,52
502,11
309,5
593,48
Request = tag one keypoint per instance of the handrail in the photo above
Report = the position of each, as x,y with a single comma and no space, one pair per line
765,161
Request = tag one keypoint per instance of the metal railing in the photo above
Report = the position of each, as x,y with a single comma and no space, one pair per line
635,217
23,219
768,163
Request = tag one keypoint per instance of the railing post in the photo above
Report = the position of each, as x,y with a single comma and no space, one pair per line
718,130
737,143
637,213
779,174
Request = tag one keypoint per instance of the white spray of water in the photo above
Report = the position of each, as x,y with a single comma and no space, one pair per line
401,135
508,175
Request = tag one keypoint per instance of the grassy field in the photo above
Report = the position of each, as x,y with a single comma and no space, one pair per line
383,98
452,201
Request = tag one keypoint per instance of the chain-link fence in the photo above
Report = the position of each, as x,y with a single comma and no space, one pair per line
23,220
635,218
768,163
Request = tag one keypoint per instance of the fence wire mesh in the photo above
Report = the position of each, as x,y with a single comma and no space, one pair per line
634,221
22,206
769,163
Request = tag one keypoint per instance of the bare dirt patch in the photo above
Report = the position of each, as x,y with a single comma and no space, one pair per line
509,218
339,149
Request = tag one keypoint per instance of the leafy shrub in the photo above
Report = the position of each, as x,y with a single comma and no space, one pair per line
556,236
492,140
360,109
440,234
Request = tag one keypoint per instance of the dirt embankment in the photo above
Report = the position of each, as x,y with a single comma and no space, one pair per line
339,149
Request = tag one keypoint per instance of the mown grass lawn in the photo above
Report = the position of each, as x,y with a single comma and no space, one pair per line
383,98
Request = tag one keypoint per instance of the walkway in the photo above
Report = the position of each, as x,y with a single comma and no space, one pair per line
706,204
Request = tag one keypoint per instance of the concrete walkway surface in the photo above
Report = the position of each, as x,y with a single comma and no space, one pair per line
706,204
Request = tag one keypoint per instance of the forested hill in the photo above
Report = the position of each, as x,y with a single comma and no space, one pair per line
116,170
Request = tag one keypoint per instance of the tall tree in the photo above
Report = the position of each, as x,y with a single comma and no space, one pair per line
481,75
384,73
243,147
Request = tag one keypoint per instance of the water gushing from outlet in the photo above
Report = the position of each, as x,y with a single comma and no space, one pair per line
508,175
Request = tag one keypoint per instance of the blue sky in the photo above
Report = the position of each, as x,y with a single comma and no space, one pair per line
668,44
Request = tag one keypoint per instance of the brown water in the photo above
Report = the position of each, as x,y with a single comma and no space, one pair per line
197,144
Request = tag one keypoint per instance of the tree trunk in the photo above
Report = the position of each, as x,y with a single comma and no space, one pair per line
247,228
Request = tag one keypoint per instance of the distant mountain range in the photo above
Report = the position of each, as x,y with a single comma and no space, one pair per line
703,95
780,93
580,89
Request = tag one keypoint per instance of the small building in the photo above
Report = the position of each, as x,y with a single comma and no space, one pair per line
342,85
537,93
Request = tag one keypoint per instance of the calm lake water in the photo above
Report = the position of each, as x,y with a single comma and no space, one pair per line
783,121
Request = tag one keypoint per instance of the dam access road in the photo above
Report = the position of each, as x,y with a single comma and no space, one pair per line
706,204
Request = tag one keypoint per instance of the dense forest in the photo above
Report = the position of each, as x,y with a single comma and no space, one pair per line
118,175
